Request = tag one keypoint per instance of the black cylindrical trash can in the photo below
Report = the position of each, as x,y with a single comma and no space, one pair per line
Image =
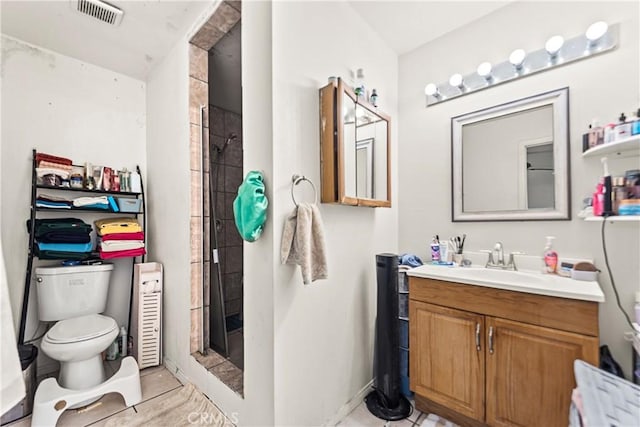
28,354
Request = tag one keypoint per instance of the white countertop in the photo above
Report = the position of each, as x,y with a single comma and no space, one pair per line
519,281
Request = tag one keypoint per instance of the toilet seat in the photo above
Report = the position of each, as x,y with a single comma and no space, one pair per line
82,328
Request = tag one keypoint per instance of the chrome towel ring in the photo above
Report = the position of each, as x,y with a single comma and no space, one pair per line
297,179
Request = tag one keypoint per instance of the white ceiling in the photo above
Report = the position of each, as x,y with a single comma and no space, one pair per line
150,28
148,31
406,25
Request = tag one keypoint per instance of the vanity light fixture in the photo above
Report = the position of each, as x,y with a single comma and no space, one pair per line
553,46
484,71
517,58
456,81
557,51
432,90
596,31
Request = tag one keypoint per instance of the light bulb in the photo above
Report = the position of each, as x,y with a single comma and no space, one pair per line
517,58
431,90
455,80
596,31
553,45
484,70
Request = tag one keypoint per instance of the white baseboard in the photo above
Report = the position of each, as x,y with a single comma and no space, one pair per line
352,404
173,368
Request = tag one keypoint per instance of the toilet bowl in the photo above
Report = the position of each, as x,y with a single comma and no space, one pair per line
78,343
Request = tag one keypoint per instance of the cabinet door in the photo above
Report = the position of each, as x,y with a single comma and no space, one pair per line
447,358
530,372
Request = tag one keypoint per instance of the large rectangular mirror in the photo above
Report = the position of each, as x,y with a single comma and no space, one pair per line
510,162
355,149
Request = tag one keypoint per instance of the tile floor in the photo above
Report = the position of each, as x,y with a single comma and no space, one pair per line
361,417
156,382
225,370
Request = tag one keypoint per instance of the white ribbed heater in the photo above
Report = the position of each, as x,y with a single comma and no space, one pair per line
146,316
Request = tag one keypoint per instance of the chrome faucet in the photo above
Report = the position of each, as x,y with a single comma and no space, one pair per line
496,258
499,254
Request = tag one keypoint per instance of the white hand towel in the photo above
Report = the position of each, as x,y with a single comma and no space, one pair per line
120,245
303,242
11,383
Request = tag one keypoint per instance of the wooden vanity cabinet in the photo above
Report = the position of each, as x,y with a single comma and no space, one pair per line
484,356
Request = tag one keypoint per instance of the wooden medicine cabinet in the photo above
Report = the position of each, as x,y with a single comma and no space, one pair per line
355,149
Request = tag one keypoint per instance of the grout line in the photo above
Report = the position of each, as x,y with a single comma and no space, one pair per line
108,416
158,395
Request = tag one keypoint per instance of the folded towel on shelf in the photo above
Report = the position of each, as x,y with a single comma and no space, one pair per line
117,225
40,172
52,205
63,237
49,198
55,159
139,235
62,255
90,201
55,165
120,245
65,247
69,225
96,206
303,242
122,254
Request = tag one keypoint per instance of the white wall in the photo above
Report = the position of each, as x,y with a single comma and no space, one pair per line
66,107
169,181
324,331
600,87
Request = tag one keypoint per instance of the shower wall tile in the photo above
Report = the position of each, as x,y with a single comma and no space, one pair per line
196,285
224,18
207,35
233,124
220,200
228,202
233,154
218,141
196,329
233,263
232,307
236,4
198,95
217,121
233,285
232,179
198,63
231,234
196,239
222,241
219,172
196,193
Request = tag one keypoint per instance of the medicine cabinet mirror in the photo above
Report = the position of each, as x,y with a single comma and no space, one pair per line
355,149
510,162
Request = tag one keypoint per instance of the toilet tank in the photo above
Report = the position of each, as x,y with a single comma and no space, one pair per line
67,292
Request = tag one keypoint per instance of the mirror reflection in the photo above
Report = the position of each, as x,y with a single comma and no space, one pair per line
531,182
365,136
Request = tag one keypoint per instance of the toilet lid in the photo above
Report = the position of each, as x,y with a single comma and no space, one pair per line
81,328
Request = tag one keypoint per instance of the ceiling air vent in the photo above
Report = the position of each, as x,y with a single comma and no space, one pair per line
99,10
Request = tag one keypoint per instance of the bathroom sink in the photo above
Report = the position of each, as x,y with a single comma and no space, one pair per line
520,281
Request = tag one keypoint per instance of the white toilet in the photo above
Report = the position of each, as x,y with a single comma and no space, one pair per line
74,296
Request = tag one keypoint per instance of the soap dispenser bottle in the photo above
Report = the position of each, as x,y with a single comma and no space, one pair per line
550,257
635,126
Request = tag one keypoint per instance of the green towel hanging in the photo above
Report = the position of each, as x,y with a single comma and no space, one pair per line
250,206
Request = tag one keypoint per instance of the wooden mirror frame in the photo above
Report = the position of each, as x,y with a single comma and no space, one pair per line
332,167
